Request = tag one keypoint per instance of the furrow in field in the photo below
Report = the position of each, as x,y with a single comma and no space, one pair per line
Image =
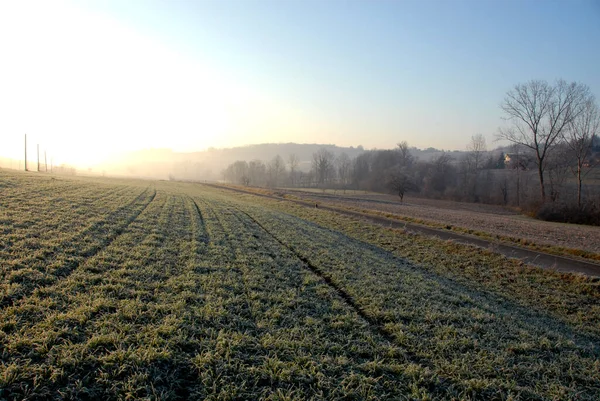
404,355
326,278
40,226
116,308
454,327
208,296
302,317
158,311
38,211
226,244
133,245
199,227
335,287
42,270
45,223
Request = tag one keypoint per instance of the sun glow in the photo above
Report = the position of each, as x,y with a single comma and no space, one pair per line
84,87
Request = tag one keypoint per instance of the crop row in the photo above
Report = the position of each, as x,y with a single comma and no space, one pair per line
189,301
38,217
70,235
306,342
187,292
487,345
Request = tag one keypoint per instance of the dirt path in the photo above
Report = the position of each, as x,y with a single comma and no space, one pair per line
500,224
536,258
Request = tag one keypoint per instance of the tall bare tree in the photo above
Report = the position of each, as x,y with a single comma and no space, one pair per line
580,138
322,164
293,162
539,113
344,167
406,159
237,172
257,171
476,152
276,170
470,166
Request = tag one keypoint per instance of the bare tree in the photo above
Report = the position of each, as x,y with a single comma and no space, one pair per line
476,152
504,189
361,167
257,171
439,176
470,165
293,162
237,172
519,166
400,182
580,140
322,164
557,167
539,113
344,167
276,171
406,159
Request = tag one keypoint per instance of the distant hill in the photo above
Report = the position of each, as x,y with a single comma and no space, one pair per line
208,164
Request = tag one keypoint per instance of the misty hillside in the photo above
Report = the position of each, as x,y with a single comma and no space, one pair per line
208,164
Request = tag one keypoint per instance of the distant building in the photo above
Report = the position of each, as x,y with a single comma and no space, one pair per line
518,161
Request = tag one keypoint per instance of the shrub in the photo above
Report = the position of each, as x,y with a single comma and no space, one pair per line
588,213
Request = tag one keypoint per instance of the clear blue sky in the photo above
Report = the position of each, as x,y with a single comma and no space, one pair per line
194,74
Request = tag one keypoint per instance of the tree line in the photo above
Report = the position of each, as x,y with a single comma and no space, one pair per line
553,129
391,170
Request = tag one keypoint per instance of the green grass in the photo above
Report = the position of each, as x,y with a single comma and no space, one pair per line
504,239
179,291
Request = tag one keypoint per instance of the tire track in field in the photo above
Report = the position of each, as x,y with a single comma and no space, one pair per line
46,209
158,226
205,237
343,294
74,255
232,258
214,238
136,238
586,351
316,270
486,302
561,263
442,386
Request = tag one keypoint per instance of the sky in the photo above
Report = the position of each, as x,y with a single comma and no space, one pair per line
86,79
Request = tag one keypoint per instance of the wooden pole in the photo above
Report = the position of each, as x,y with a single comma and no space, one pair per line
45,161
25,152
38,154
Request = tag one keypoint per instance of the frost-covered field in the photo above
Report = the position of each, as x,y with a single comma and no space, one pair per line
493,220
116,290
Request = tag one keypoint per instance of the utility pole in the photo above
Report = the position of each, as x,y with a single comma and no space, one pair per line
38,154
45,161
25,152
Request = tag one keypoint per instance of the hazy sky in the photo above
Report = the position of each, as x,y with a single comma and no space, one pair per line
87,78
